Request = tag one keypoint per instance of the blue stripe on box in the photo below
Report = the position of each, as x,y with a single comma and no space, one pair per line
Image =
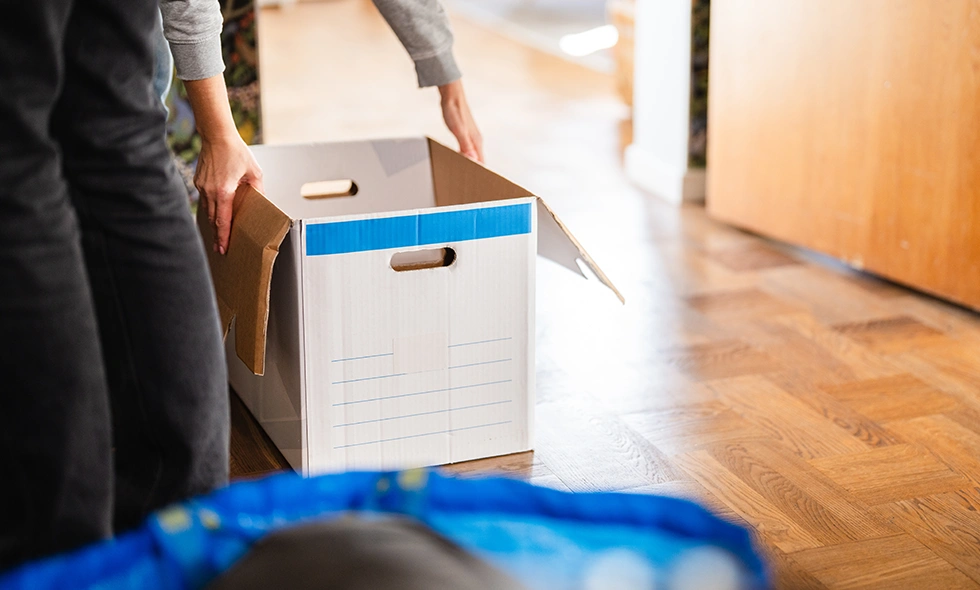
344,237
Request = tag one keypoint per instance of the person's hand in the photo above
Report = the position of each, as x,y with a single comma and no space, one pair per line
456,113
225,161
223,165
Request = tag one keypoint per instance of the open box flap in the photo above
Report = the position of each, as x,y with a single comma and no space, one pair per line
457,180
243,277
558,244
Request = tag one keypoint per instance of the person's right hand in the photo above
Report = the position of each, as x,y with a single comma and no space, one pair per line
223,165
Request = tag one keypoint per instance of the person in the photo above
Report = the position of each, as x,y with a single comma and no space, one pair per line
192,26
114,398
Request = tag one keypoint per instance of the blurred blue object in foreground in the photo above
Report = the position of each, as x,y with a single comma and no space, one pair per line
545,538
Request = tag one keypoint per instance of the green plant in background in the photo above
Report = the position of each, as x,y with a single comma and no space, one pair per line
698,141
239,49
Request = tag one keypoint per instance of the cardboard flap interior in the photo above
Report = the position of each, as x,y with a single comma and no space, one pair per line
243,276
558,244
310,181
457,180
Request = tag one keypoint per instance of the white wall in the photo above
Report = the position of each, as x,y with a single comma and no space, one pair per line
657,159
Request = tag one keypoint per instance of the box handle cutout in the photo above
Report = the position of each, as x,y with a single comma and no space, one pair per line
329,189
422,259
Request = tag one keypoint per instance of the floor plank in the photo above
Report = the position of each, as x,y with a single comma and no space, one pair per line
951,442
859,426
949,524
768,520
893,398
892,473
689,489
895,334
898,561
863,362
252,451
787,574
688,427
786,418
718,360
752,256
741,304
593,453
828,511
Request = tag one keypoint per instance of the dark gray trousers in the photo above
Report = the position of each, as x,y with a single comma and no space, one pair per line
113,395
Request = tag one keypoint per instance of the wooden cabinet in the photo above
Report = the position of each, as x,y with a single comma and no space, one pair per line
852,128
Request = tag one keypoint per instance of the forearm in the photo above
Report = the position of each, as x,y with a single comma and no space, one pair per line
212,113
423,29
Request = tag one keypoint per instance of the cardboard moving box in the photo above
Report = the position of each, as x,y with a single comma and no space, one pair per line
380,302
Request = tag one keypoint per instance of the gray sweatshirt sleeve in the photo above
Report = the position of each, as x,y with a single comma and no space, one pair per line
423,29
193,28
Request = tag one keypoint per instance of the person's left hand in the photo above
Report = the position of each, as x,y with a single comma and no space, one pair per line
459,119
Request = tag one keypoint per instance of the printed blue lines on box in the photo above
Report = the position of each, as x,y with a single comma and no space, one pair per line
369,378
464,366
421,229
377,399
478,342
493,362
417,414
361,358
384,354
450,431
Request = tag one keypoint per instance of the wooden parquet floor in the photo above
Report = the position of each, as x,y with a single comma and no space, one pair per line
836,415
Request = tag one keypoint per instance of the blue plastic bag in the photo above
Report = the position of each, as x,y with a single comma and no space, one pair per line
543,537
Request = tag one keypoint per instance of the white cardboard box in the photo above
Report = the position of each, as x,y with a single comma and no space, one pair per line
349,363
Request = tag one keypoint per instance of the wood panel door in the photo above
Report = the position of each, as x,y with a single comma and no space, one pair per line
852,128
